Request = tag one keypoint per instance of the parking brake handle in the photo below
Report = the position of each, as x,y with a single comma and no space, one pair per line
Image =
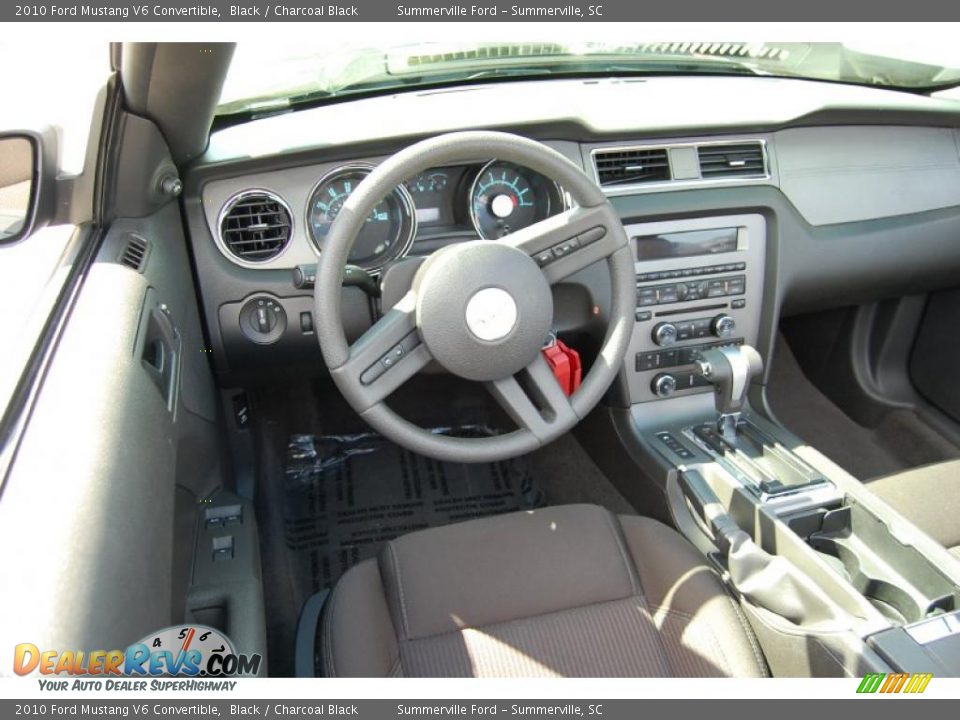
767,581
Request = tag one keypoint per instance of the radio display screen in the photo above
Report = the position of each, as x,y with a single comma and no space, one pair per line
689,243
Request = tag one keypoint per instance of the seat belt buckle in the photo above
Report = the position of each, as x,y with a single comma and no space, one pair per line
565,363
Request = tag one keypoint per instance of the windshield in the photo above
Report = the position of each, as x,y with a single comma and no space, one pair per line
269,77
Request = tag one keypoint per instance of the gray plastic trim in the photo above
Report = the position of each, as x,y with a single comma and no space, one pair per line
846,174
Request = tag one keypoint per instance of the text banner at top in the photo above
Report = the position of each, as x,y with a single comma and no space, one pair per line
482,11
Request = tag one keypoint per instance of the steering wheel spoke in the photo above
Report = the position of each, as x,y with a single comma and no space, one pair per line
387,355
534,400
567,243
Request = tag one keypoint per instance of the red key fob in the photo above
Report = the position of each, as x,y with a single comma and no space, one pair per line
566,366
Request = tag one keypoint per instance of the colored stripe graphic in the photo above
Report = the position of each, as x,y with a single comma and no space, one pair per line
894,683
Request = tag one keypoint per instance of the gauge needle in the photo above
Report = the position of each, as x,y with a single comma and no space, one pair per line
183,649
187,639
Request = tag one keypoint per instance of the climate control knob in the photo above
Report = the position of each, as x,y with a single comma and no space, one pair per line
663,385
723,326
664,334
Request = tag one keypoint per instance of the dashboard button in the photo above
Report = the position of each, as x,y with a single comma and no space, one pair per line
667,294
646,297
647,361
716,288
669,358
736,285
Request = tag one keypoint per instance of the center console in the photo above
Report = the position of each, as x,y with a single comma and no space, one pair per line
699,285
823,568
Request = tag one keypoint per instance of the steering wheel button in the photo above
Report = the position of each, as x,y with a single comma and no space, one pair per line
410,342
372,373
564,248
591,235
544,257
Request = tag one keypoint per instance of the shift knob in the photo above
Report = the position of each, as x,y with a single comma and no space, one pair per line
729,369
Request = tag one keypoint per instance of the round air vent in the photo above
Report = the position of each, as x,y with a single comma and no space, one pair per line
255,226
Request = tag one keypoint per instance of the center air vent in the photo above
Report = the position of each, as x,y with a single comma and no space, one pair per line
627,167
255,226
731,160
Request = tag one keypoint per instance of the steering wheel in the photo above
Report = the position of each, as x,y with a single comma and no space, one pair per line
481,309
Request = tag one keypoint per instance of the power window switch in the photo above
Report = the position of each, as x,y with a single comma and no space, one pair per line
222,548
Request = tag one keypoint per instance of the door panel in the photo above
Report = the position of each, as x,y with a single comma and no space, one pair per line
99,514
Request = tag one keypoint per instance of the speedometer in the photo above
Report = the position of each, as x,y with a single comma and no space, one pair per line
507,197
388,231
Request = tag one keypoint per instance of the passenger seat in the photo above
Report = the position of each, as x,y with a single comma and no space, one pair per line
929,497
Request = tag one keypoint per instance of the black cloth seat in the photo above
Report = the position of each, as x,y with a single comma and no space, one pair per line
563,591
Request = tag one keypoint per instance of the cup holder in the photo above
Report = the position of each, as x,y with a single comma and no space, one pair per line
900,582
893,602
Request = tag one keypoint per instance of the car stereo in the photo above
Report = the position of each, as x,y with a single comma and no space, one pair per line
699,285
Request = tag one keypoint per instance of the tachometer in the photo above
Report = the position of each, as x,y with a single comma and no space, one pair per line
388,231
506,198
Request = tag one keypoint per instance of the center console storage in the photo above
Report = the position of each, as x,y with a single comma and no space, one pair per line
894,577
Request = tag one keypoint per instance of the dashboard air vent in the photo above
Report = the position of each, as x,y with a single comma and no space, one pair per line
134,253
627,167
255,226
731,160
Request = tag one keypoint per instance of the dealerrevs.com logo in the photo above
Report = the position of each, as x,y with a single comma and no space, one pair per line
177,651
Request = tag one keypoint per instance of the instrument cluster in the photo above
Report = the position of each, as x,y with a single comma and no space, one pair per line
493,200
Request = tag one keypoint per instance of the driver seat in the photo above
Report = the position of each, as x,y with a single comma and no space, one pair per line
568,591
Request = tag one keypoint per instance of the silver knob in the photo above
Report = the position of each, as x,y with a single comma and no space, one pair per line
665,334
663,385
723,326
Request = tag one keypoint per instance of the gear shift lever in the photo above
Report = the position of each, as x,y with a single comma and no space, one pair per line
729,369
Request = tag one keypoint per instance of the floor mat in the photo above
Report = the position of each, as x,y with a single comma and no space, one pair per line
344,496
900,441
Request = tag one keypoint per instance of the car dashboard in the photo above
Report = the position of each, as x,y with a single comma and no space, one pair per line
745,199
